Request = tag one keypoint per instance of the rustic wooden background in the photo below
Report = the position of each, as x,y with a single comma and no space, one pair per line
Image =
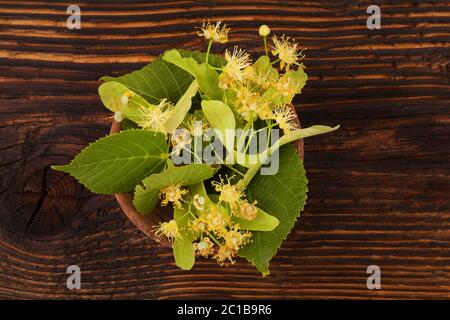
379,187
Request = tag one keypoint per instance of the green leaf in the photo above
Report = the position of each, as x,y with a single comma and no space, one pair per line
254,161
214,60
127,124
181,216
156,81
282,195
118,162
262,222
304,133
222,120
263,67
145,199
207,77
183,250
111,94
184,253
185,175
182,107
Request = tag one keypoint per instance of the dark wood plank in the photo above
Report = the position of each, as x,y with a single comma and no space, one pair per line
379,187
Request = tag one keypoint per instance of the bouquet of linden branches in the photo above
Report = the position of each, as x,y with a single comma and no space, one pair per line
210,137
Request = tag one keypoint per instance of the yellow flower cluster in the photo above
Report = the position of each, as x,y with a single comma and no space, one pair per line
174,194
285,116
180,139
168,229
234,196
215,223
217,32
196,126
235,71
260,90
156,117
287,51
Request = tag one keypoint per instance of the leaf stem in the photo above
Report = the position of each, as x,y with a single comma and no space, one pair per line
209,49
250,138
276,61
294,135
234,169
265,46
193,153
269,131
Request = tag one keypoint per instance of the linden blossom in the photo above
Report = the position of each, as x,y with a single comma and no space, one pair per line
188,310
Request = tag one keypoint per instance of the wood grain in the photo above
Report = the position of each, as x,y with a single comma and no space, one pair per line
379,187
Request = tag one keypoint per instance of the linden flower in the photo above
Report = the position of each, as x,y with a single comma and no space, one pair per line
249,73
248,103
225,253
286,86
155,118
228,192
179,139
265,79
265,112
173,194
199,202
204,248
235,239
237,61
198,225
167,229
216,221
225,81
217,32
196,127
284,117
247,211
286,50
221,34
251,105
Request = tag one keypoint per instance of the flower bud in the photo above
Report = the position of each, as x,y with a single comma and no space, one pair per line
264,30
118,116
124,99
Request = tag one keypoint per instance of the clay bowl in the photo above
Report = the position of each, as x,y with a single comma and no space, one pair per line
146,223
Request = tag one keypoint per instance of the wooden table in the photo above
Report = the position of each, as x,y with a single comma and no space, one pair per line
379,187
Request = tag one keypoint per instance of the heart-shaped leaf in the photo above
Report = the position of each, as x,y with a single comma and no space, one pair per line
282,195
156,81
183,175
117,163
